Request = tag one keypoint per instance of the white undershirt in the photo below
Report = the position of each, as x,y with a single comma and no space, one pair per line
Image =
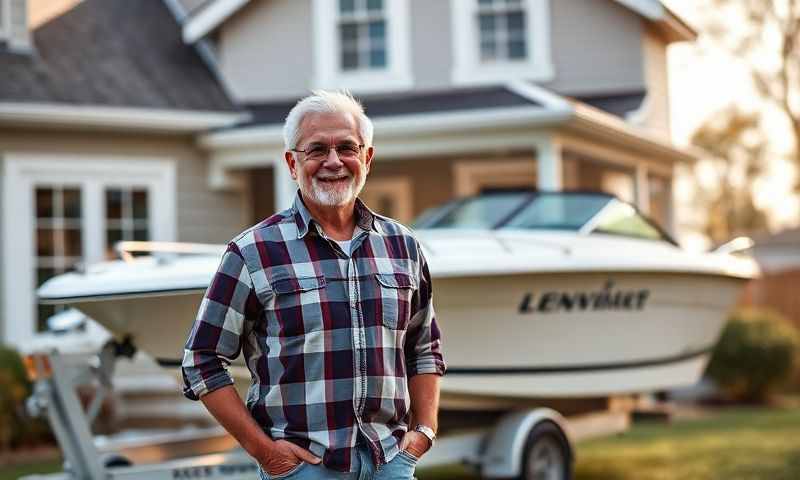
345,244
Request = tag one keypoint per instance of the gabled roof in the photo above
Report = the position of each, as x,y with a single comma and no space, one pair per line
206,17
413,115
112,53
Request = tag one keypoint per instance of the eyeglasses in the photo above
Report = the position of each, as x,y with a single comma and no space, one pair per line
320,151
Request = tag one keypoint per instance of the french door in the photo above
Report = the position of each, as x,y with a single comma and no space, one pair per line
61,213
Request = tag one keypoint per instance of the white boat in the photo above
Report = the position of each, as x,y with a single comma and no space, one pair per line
538,295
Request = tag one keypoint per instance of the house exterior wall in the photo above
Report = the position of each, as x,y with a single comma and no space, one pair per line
202,215
431,44
596,48
266,50
656,112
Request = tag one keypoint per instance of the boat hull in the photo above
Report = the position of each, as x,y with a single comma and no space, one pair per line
579,335
518,336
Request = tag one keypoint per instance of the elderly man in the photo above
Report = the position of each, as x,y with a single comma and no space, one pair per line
331,306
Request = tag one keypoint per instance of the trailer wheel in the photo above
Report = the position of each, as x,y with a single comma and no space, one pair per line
548,455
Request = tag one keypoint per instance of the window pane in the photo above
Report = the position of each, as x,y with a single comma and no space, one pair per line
45,242
374,5
44,203
72,203
377,30
72,242
487,24
113,235
515,21
349,32
140,204
516,49
141,234
114,203
42,274
347,6
488,50
349,60
377,58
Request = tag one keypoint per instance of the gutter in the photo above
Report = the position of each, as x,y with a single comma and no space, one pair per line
115,118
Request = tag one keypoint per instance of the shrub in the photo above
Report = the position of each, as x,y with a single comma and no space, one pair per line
15,427
756,355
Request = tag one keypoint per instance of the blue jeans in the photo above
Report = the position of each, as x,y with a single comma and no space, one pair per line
401,467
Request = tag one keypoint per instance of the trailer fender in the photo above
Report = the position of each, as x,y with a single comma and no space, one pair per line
505,445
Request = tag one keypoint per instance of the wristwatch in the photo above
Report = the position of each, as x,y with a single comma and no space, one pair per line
427,431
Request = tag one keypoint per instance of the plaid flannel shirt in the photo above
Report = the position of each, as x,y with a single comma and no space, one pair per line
329,337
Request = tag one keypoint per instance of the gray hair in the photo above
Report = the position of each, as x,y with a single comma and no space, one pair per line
324,101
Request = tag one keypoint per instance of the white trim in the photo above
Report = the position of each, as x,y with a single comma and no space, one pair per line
205,21
5,24
110,118
467,69
22,171
649,9
327,71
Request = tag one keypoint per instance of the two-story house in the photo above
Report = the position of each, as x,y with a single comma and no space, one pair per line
161,119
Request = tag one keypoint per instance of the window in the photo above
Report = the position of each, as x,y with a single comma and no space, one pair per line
59,246
61,211
362,45
126,217
390,196
501,31
362,34
498,41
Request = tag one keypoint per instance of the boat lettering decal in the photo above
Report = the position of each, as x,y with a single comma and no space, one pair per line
605,299
206,471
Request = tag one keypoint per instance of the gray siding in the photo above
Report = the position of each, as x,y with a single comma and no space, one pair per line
596,47
265,50
431,44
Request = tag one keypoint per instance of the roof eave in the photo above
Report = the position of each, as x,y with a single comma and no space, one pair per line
208,19
96,117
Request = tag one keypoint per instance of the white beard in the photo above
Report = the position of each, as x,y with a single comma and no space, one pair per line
331,195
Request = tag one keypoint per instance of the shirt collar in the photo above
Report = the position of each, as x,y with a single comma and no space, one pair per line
365,218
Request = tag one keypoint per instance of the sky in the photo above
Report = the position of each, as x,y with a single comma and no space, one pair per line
704,78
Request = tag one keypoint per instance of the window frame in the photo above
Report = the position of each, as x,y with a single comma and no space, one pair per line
5,21
467,66
328,72
23,171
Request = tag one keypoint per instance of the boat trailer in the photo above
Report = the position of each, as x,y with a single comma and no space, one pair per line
528,444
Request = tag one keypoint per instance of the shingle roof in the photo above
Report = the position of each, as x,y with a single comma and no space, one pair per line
119,53
408,103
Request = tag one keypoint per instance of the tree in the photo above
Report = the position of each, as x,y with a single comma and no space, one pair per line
737,149
770,41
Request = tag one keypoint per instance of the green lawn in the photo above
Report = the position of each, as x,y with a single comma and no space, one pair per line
738,444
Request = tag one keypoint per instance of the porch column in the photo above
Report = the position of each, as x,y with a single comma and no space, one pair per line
549,164
284,186
642,189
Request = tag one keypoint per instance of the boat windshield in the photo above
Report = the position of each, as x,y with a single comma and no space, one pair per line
587,212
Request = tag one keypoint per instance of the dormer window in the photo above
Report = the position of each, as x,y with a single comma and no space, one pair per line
501,30
362,34
362,45
496,41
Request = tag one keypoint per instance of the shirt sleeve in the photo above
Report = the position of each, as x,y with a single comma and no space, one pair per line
423,345
215,339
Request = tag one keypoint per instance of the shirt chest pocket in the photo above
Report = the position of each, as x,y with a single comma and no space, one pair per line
396,291
297,305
